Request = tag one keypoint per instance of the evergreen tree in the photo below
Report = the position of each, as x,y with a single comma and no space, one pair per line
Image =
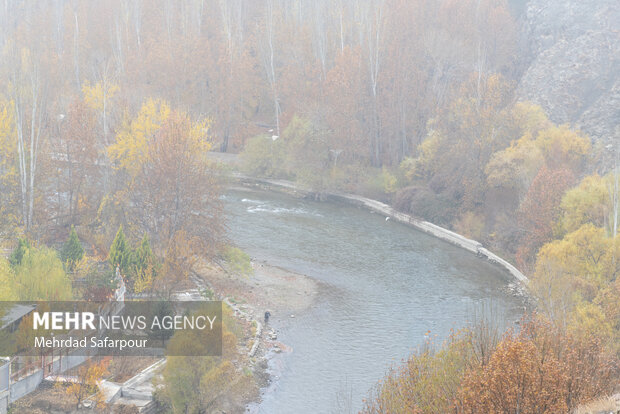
72,251
23,245
120,252
144,255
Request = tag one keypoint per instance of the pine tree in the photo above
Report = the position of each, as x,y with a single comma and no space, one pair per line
120,252
72,251
144,255
144,267
20,251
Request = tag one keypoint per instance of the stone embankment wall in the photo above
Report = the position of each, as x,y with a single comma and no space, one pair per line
382,208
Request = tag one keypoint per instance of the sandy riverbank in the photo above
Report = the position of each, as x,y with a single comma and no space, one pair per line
282,292
272,288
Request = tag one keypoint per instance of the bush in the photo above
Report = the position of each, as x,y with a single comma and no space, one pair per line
470,225
421,201
263,157
238,261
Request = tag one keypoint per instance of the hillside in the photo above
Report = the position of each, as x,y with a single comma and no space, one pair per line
574,65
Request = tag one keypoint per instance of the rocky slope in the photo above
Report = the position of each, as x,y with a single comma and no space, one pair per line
574,73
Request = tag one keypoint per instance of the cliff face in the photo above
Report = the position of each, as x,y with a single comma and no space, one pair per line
574,70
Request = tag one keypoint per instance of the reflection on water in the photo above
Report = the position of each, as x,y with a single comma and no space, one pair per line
384,287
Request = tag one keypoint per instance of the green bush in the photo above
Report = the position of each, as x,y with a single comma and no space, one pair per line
238,261
263,157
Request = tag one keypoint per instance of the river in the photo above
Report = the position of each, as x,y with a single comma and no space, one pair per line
384,287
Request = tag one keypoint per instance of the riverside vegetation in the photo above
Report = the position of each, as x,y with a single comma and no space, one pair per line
107,111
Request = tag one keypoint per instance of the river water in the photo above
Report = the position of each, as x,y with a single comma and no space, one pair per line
384,287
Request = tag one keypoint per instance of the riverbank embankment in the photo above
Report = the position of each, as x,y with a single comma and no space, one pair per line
379,207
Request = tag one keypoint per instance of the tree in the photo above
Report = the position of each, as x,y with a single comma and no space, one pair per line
563,148
579,267
98,96
120,253
89,377
28,92
72,251
23,245
586,203
175,196
518,378
7,288
193,384
9,188
130,151
308,153
264,157
515,167
539,210
162,309
426,383
100,286
41,276
541,369
75,164
145,267
269,62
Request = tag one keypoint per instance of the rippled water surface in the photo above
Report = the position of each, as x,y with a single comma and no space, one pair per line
384,286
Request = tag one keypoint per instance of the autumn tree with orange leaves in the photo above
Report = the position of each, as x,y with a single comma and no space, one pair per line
539,369
89,377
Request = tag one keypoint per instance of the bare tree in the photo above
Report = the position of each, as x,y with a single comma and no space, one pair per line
373,37
137,21
28,93
269,64
76,49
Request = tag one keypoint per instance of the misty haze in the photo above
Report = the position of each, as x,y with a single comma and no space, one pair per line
392,206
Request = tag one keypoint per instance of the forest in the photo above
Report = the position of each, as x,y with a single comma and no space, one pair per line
109,111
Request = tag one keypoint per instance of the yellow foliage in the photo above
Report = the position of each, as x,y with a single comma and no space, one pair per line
422,165
530,118
95,95
562,146
41,276
573,269
588,320
200,136
586,203
585,253
8,143
143,279
516,166
130,151
389,182
88,380
7,290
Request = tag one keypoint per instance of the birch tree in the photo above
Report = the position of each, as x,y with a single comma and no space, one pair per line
373,38
269,63
28,93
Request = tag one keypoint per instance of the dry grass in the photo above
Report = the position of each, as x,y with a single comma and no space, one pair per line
603,405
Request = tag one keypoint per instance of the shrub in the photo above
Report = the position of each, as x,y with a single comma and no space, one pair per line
238,261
